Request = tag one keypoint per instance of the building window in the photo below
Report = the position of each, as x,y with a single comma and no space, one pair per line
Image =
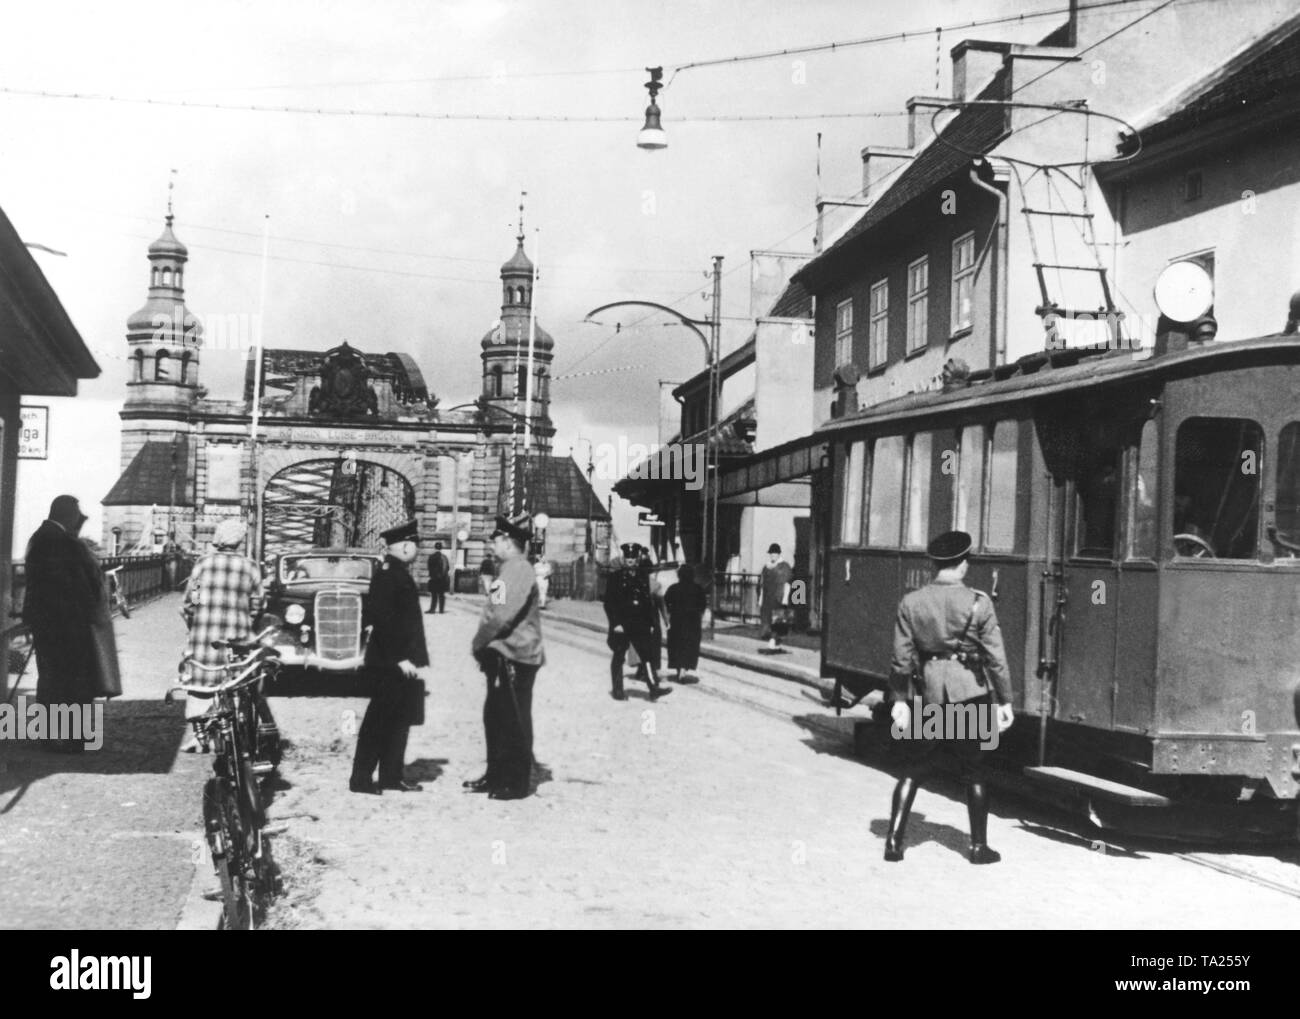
1217,465
160,370
963,280
521,382
139,366
854,471
918,294
886,496
153,274
970,482
1002,461
185,367
844,332
878,341
166,277
918,492
496,380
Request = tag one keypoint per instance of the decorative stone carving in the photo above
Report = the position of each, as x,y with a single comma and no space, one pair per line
345,390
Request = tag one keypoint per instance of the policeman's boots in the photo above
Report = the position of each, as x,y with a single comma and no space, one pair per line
904,794
616,680
977,806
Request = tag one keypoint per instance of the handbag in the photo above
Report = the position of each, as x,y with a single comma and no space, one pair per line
414,700
954,678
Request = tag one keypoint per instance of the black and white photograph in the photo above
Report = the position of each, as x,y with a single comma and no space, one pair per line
652,465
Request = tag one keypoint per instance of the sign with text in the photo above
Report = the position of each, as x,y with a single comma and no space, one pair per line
649,520
34,438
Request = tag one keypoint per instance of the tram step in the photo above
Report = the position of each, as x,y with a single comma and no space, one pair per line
1078,781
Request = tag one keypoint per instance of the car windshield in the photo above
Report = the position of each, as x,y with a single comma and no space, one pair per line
318,567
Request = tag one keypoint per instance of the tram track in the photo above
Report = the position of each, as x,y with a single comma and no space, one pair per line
795,707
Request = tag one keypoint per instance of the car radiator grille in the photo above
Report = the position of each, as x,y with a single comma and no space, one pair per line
338,624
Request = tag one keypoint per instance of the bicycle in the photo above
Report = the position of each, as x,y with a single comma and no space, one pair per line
245,746
116,598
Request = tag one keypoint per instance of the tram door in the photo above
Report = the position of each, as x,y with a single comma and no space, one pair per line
1085,558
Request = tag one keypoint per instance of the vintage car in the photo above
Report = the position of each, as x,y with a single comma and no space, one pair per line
317,597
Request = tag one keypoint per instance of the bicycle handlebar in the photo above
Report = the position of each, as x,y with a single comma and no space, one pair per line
245,678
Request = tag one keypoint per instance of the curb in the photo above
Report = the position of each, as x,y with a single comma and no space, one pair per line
198,914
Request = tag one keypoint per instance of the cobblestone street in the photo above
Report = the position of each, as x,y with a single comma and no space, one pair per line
736,802
732,803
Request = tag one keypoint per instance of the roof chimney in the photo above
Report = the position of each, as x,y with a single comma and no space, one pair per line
974,62
878,163
920,111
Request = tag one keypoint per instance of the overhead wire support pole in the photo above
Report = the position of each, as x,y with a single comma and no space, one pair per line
255,464
711,435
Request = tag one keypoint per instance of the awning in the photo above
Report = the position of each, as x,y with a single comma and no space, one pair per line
787,462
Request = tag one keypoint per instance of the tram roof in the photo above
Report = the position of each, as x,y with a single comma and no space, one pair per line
1038,381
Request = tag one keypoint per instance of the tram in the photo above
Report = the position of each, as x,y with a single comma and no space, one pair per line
1136,516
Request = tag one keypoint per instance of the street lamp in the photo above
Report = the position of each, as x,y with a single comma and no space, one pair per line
712,358
652,135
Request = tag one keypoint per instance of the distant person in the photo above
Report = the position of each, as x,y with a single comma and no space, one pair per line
686,603
66,605
774,591
222,599
633,623
542,571
487,572
439,579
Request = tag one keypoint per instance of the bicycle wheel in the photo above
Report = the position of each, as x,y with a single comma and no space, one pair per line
121,604
233,871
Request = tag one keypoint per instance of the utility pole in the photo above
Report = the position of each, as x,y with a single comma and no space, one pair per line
711,472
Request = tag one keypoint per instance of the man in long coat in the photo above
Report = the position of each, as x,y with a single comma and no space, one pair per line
633,622
66,605
439,580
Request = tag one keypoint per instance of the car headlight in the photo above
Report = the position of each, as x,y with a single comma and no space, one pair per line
295,614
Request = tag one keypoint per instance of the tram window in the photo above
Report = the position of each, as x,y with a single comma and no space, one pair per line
1216,488
1142,542
970,481
1097,487
886,496
1288,489
918,492
1003,493
854,467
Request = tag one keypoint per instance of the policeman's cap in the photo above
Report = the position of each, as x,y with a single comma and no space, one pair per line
409,531
949,548
519,528
631,550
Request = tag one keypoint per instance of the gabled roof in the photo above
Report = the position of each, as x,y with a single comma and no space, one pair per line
794,302
1259,78
148,479
557,487
977,129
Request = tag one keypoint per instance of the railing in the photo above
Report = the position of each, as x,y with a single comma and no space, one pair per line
141,578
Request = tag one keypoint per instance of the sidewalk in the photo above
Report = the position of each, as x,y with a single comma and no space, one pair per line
107,839
733,644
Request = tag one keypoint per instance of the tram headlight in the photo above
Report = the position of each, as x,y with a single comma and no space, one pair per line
295,614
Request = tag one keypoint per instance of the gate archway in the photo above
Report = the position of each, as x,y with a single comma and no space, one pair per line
337,502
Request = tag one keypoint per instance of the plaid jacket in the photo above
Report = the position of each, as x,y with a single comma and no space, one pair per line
221,601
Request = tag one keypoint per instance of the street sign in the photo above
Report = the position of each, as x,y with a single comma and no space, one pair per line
649,520
34,439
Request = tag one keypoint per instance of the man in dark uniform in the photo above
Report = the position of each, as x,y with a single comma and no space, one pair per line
508,647
395,658
439,579
633,622
947,637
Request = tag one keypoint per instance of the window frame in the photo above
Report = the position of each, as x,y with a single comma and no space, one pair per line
863,480
878,325
990,447
910,490
959,276
869,537
918,307
843,332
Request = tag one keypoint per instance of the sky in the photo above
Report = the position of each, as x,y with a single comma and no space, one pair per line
389,232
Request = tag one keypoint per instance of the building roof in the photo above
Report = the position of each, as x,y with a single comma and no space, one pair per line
557,487
519,264
976,129
167,245
1257,80
148,479
41,352
794,302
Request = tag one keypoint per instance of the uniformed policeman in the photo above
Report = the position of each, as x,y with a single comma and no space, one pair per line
395,657
508,647
633,622
955,628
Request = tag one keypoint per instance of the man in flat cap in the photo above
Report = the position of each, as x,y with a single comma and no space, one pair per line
396,657
66,605
947,648
508,647
633,622
222,599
